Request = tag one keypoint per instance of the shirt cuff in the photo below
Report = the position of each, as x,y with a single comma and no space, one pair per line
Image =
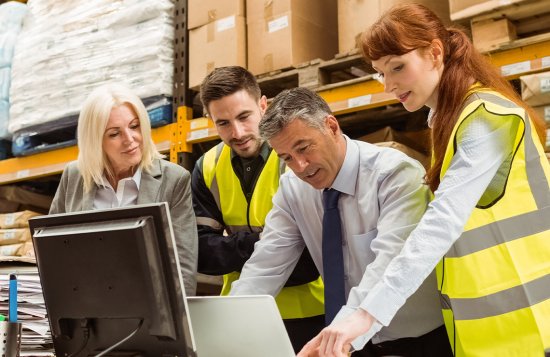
362,340
240,287
382,303
345,312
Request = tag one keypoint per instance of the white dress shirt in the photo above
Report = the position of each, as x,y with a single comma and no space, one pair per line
382,201
126,192
484,153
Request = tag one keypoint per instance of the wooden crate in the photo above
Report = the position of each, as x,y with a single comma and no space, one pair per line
498,29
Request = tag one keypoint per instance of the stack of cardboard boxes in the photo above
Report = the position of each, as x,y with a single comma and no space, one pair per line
285,33
495,22
217,37
281,34
274,35
15,236
355,16
535,90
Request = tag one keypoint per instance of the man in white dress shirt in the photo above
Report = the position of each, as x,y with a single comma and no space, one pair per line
377,199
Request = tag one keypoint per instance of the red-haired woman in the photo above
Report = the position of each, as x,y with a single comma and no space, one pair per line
488,227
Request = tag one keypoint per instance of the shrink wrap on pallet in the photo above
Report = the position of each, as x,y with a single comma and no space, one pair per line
11,20
68,48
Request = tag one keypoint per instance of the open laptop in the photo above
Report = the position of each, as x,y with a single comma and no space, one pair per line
238,326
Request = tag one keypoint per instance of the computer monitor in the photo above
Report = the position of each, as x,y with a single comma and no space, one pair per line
106,272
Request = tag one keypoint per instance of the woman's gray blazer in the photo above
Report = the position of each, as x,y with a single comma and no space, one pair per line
167,182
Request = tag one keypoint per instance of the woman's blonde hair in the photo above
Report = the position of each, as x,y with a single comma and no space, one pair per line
91,128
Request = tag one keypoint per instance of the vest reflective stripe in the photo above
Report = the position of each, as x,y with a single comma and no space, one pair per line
294,302
209,172
500,232
495,280
509,300
205,221
234,229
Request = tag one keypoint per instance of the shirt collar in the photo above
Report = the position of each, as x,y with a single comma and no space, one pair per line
136,178
430,116
265,151
347,176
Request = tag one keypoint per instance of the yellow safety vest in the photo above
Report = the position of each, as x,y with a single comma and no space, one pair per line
294,302
495,279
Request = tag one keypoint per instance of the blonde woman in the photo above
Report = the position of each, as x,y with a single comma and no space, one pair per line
119,166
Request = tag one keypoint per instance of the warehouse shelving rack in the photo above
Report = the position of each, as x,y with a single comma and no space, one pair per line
516,58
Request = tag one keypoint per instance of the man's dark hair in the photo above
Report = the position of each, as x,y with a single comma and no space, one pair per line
225,81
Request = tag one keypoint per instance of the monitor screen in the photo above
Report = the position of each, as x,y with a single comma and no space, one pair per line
113,275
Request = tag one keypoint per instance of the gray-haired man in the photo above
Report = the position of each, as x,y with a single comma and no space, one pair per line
353,205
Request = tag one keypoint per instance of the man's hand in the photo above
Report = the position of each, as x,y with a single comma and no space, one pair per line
335,340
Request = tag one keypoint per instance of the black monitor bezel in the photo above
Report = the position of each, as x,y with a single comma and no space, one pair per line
167,247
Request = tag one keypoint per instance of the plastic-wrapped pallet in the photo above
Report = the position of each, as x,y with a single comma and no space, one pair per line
68,48
11,20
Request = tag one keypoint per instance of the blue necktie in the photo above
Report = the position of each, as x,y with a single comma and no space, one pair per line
333,256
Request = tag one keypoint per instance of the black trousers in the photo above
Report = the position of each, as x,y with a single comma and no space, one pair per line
433,344
301,331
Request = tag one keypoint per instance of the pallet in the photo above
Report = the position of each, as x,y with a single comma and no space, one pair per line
519,21
160,116
316,74
45,137
62,133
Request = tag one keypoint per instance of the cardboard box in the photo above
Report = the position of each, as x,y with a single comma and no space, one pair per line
279,39
17,250
423,159
14,198
535,89
355,16
422,140
17,219
7,206
203,12
319,12
218,44
422,145
15,236
489,34
544,112
463,9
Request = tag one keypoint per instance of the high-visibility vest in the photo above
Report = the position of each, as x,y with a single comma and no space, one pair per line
294,302
495,279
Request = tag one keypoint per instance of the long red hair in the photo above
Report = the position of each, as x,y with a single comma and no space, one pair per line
405,28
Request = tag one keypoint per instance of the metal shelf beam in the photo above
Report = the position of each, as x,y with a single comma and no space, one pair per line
54,162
